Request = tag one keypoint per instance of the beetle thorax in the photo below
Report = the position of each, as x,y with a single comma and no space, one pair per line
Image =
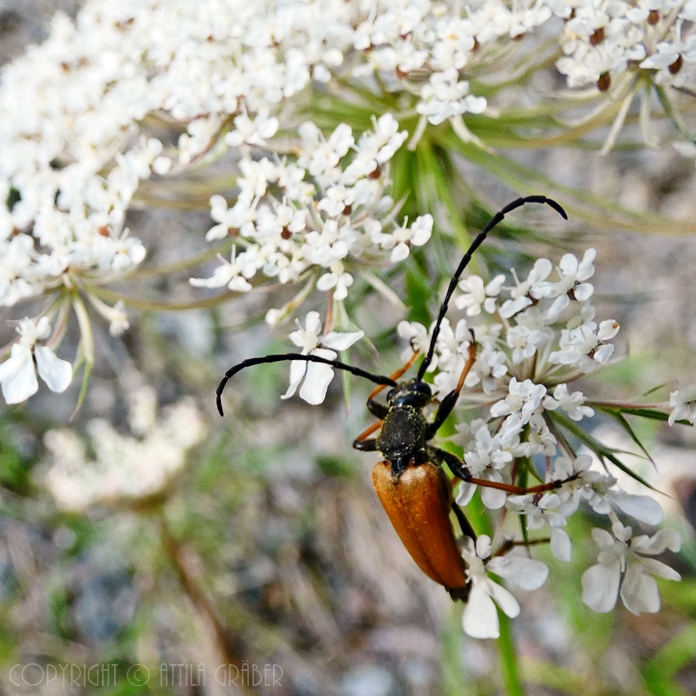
403,434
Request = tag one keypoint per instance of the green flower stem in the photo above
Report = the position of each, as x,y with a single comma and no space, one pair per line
567,136
509,662
527,180
183,265
512,679
154,305
673,115
521,73
86,349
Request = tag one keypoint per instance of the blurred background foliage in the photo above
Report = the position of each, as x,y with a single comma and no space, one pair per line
269,547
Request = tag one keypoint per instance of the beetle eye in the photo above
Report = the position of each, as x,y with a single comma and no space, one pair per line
390,394
424,388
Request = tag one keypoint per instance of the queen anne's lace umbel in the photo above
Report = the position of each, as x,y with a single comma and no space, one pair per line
313,204
71,112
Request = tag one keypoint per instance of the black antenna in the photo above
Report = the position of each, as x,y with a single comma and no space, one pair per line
465,261
378,379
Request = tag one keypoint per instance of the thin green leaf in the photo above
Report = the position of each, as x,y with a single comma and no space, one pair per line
642,411
83,389
618,416
383,289
654,389
601,450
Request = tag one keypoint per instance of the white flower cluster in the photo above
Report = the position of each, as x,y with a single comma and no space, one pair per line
541,333
319,209
125,469
606,38
72,112
532,337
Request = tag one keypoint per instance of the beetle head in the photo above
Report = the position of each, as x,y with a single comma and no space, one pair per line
415,392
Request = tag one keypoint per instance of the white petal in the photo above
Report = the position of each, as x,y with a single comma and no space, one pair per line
17,375
238,284
664,539
505,600
639,591
557,306
659,569
583,291
297,372
483,546
465,493
603,353
480,619
400,252
608,329
493,498
341,341
55,372
326,282
560,544
569,264
600,586
500,408
318,378
313,323
523,572
640,507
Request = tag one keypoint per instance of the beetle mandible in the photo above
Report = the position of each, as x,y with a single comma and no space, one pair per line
410,483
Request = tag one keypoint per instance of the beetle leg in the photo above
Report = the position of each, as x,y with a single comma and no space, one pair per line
448,403
459,469
363,443
376,409
455,464
380,410
467,529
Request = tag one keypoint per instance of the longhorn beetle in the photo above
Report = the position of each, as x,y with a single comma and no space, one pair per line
410,483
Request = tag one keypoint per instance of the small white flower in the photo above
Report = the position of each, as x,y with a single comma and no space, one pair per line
18,373
230,273
417,235
489,368
338,279
523,398
418,338
541,512
323,155
683,403
317,376
524,342
572,404
480,619
254,132
623,563
475,296
573,275
534,288
585,347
